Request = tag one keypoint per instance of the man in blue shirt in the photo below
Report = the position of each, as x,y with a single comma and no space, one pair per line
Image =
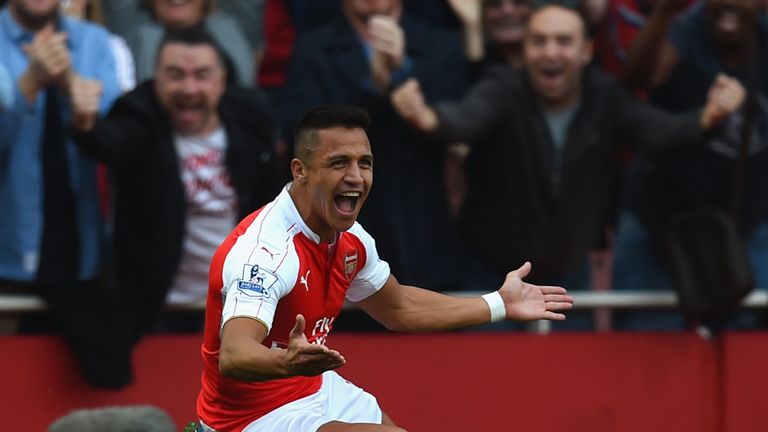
50,224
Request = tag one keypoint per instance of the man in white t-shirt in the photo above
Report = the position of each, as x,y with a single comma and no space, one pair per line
190,157
280,279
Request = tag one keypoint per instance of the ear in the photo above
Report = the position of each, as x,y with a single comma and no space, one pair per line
298,171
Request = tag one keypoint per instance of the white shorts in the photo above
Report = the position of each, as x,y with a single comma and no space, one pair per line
337,400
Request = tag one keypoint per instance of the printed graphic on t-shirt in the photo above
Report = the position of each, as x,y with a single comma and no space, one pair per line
206,182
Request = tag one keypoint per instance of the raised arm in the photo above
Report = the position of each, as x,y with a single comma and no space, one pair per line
651,56
243,357
651,128
461,121
412,309
469,13
118,138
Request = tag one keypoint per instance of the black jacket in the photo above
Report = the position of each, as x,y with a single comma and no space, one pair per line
136,141
525,200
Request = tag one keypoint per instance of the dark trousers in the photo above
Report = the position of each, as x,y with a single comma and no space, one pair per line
88,316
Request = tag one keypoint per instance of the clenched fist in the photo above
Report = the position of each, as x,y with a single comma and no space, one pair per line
725,96
85,95
408,101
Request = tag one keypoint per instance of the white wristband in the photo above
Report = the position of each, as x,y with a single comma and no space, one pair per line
496,305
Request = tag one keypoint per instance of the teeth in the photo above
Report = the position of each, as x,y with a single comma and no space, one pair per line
350,194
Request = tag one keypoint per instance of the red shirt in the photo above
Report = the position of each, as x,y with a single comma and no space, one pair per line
270,268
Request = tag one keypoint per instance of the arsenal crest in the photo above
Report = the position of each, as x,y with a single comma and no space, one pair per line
350,264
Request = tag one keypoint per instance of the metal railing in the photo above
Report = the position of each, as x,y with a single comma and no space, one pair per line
23,303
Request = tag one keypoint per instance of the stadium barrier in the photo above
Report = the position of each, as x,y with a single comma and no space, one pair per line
456,381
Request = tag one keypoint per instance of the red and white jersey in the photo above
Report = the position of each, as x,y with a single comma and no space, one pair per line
270,268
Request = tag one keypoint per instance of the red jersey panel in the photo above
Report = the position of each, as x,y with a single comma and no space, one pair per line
271,268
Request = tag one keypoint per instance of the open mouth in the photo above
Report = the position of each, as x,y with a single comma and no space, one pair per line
551,76
346,202
552,72
188,111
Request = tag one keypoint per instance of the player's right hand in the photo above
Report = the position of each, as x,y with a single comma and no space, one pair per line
307,359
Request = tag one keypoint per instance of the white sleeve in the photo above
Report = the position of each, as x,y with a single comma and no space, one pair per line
373,275
126,69
256,276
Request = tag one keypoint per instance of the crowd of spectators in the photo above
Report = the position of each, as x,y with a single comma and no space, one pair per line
127,154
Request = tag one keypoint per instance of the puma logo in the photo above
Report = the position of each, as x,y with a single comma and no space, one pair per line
303,280
271,254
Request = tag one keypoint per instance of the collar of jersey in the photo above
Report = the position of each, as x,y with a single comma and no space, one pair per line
285,201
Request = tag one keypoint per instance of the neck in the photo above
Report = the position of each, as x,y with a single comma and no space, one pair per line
560,105
33,24
732,56
512,54
302,201
210,127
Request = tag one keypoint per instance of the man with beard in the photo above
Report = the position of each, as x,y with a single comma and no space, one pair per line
50,225
543,165
280,279
676,63
190,157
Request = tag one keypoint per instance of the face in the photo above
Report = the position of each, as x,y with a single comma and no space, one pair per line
34,14
732,21
364,9
179,13
189,82
338,177
506,19
556,52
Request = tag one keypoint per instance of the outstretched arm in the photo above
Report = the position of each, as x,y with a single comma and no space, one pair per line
243,357
653,129
408,308
461,121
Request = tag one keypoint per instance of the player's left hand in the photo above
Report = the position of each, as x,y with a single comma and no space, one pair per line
527,302
308,359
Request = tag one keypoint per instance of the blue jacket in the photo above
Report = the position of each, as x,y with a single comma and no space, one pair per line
21,129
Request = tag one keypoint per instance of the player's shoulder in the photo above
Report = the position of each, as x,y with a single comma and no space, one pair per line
271,223
357,231
357,236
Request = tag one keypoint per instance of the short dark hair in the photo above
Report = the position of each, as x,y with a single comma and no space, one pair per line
197,34
575,6
325,117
